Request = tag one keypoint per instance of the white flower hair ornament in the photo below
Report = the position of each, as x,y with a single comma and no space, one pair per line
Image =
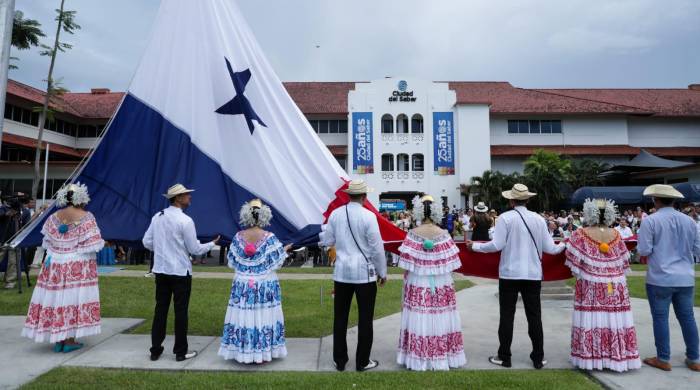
592,208
255,213
436,213
74,194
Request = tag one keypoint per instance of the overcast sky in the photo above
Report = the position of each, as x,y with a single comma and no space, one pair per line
530,43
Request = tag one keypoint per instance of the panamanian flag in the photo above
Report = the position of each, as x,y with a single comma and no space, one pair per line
206,109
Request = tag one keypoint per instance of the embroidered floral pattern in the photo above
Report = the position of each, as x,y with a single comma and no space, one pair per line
604,343
73,274
62,318
261,294
269,255
83,237
431,346
594,296
417,298
253,339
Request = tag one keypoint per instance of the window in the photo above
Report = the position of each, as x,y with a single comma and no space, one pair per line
387,124
387,162
323,127
8,111
417,162
34,121
512,127
314,125
16,114
534,127
402,124
402,162
417,124
343,126
333,127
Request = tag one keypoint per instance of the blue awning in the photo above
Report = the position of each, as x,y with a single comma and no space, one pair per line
631,194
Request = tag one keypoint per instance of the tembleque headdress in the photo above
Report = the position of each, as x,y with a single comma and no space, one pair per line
591,211
436,212
255,213
75,194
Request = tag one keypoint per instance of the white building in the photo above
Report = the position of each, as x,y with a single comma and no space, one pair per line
479,126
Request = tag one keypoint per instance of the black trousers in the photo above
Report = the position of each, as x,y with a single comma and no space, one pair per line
179,288
507,298
366,295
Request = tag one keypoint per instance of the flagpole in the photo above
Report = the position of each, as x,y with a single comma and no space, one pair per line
46,174
7,16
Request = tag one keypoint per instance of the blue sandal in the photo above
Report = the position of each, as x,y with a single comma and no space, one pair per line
72,347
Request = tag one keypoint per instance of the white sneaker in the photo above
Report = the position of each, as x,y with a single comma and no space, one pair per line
372,364
188,355
148,274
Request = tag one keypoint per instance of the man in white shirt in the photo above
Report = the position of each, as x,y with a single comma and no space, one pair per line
359,265
172,239
521,236
624,230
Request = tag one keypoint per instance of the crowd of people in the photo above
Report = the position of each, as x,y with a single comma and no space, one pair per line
65,303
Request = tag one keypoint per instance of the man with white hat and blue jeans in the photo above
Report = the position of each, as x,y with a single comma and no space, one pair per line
172,238
669,239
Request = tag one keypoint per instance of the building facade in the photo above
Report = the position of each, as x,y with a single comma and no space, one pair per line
405,136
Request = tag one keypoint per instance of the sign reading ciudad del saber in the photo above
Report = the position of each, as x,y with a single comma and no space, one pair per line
402,94
362,160
443,143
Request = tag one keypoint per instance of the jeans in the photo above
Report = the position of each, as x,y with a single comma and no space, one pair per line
660,298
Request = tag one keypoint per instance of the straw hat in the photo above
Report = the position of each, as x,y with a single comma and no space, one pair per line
357,187
177,189
481,207
427,198
256,203
662,191
518,192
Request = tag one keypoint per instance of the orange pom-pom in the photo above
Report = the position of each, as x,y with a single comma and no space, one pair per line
604,248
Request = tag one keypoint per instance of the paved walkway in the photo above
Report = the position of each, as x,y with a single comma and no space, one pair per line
478,307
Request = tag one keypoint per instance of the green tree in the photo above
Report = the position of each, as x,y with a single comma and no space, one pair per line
66,23
25,34
586,172
547,173
487,186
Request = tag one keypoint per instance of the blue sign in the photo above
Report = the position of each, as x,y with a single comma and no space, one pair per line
362,151
392,206
443,143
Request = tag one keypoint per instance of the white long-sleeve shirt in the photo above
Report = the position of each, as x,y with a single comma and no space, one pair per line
172,238
520,259
350,264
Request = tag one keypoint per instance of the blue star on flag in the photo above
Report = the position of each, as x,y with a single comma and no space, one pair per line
240,105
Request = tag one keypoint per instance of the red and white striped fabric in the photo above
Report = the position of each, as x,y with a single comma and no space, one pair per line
66,299
431,330
603,334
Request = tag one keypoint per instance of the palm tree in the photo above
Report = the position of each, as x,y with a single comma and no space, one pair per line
25,33
66,22
547,172
585,172
487,186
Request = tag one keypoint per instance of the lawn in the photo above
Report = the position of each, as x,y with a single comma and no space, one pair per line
285,270
643,267
637,287
307,304
77,378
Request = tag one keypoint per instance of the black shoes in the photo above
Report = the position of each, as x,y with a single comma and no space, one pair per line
340,368
156,355
539,365
499,362
188,355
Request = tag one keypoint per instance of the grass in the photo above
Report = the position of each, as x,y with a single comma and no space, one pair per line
637,287
643,267
307,304
285,270
77,378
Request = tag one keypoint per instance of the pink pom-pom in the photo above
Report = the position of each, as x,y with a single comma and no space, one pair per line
249,250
